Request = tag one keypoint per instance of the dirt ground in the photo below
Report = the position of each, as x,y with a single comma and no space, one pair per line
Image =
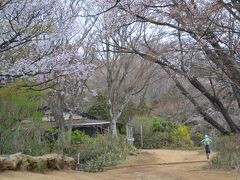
148,165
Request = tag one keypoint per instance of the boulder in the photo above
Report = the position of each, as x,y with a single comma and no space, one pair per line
21,161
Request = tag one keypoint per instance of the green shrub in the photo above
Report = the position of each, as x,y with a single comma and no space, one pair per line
228,153
34,148
154,141
79,137
17,103
99,107
198,137
158,125
100,151
94,165
161,133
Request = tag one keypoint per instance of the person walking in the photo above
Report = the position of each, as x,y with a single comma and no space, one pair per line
207,142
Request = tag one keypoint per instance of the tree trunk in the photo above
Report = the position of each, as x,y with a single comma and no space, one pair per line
222,60
56,105
114,127
199,108
236,92
70,127
215,101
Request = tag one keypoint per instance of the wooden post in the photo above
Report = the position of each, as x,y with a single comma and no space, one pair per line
78,162
129,132
141,131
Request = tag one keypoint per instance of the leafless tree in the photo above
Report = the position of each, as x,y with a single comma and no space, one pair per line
197,41
125,76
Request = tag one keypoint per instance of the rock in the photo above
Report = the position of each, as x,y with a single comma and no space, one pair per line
21,161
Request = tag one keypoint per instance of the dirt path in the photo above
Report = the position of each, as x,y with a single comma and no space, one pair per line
149,165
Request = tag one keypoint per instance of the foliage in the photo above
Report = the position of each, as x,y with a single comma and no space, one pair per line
36,52
158,125
153,141
78,137
159,133
99,108
181,135
34,148
98,152
143,109
198,137
129,112
17,103
228,152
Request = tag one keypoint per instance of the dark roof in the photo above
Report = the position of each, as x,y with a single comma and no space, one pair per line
88,122
83,122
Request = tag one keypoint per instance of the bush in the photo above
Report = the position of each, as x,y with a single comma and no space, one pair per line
100,151
79,137
158,125
17,103
181,136
99,107
228,153
161,133
197,138
35,148
154,141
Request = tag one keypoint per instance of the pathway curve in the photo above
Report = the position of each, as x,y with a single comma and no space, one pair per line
148,165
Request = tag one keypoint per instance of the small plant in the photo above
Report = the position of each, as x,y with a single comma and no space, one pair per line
199,136
79,137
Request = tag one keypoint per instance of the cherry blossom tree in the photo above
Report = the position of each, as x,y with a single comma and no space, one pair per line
68,93
40,43
33,37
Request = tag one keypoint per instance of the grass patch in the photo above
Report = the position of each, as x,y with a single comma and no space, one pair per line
228,156
99,152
